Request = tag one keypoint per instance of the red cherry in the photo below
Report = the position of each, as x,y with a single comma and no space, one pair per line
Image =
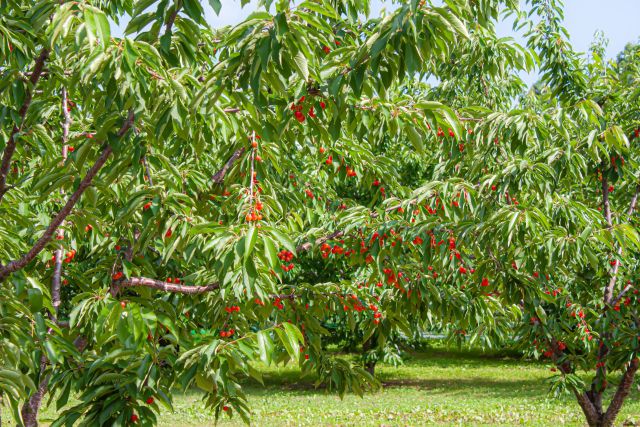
225,408
150,401
117,275
168,233
134,418
123,304
146,206
323,105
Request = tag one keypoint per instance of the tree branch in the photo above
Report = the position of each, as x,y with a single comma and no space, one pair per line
57,272
40,244
164,286
620,295
308,245
218,177
632,207
172,18
608,292
10,148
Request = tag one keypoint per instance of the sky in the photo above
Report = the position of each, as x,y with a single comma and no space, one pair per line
618,19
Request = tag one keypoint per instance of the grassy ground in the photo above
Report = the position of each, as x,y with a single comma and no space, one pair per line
435,387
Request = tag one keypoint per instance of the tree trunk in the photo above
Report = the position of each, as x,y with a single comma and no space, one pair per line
368,345
32,406
621,394
591,403
370,366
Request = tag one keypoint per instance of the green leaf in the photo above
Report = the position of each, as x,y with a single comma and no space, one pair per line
250,241
300,62
216,6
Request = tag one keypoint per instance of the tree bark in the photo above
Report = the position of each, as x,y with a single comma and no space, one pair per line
588,409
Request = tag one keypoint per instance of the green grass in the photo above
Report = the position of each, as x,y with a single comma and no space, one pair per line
434,387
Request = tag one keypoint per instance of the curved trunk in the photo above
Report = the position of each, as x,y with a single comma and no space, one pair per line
31,407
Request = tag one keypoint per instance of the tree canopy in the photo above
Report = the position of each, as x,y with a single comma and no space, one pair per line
182,201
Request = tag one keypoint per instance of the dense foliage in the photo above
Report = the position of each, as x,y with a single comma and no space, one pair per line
182,201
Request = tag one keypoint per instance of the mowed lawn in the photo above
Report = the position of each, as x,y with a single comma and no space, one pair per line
435,387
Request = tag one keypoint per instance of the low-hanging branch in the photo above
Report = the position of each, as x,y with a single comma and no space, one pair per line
162,286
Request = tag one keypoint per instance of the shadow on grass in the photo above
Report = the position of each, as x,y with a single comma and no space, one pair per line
435,371
483,388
